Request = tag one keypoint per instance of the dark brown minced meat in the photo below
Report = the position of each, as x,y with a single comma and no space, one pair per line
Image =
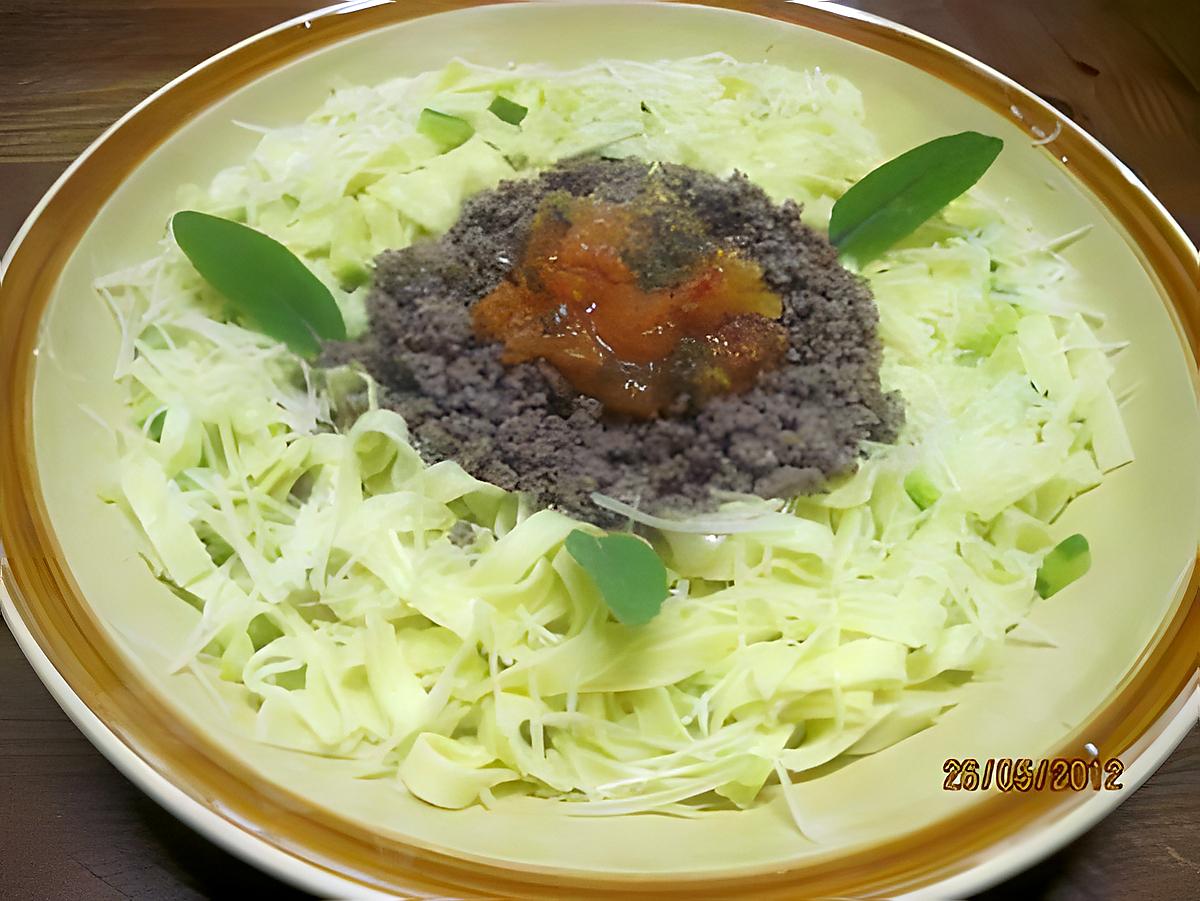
523,428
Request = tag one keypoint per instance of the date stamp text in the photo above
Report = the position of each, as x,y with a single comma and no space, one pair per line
1022,774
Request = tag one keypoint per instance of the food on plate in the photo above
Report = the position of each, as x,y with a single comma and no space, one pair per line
603,456
646,331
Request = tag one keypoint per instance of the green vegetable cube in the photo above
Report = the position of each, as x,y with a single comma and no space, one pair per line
510,112
445,130
921,490
1069,560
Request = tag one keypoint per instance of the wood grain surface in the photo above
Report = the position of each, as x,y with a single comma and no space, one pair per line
72,827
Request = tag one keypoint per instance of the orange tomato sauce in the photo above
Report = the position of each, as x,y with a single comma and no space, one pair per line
574,302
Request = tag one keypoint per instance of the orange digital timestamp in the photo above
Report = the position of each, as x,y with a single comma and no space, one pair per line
1022,774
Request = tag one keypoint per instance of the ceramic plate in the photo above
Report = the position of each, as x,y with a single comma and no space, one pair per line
99,628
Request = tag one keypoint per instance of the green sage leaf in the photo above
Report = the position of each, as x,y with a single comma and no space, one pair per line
630,576
261,279
890,202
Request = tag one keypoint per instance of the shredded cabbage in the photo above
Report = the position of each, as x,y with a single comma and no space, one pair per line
372,607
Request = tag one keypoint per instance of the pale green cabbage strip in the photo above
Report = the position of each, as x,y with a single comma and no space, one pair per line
317,545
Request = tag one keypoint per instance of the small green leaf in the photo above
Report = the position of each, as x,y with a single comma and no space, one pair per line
921,489
631,578
1069,560
443,129
890,202
511,112
261,279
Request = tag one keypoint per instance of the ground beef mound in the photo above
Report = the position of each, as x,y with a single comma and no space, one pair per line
523,428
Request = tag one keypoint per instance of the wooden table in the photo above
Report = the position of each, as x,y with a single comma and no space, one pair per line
72,827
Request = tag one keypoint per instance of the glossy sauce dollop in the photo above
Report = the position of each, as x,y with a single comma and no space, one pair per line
573,301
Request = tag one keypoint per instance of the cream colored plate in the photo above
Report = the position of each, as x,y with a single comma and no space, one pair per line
1143,523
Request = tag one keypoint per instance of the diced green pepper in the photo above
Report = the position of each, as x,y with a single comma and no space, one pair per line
510,112
448,131
1069,560
921,490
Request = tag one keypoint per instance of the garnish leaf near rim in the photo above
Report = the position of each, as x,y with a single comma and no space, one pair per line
262,279
890,202
630,576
